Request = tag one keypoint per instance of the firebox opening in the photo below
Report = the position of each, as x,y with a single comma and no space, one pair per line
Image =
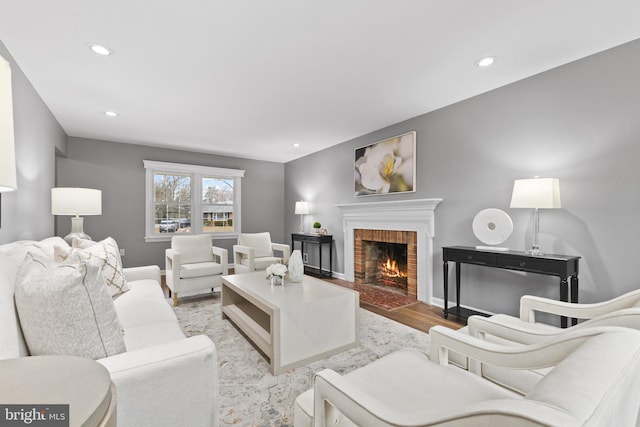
386,265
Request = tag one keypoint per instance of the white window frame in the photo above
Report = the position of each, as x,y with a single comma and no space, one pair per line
197,173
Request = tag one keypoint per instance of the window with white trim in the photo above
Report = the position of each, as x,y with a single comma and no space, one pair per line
191,199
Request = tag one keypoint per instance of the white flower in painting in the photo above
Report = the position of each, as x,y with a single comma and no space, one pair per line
379,163
276,270
405,151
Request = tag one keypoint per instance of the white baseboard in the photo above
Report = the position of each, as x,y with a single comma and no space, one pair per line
340,276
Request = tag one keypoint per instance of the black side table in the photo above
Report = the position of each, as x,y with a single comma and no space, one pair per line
319,240
563,266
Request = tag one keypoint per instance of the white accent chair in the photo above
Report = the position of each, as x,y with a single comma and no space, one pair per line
193,264
594,383
255,251
622,311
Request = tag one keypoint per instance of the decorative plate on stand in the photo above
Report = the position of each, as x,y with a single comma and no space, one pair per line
492,227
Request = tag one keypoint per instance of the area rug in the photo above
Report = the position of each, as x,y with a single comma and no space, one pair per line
249,394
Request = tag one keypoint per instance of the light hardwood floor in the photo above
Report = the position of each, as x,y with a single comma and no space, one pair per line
419,316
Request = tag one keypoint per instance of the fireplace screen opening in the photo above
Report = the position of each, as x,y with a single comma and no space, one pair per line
386,265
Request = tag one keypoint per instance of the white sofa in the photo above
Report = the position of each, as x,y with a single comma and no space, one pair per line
163,378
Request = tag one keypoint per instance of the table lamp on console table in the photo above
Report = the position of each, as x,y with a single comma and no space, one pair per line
536,194
302,209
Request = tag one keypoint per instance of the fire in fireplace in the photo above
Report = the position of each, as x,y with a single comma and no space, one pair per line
386,265
390,269
373,248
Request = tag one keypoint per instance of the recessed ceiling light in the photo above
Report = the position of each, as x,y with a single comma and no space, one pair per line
111,114
100,49
486,61
295,144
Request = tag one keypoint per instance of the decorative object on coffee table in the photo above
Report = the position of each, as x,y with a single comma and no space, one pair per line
276,273
316,227
296,267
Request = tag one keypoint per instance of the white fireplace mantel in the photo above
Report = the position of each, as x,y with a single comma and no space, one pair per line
406,215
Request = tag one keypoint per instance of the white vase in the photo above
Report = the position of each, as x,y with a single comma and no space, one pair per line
276,280
296,267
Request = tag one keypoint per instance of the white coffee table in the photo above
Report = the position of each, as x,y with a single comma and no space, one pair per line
293,324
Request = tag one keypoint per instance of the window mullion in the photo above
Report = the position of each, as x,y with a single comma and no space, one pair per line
196,203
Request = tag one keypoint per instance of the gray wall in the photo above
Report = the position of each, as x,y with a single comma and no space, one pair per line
26,213
117,169
578,122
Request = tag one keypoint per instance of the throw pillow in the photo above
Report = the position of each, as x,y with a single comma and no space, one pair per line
65,309
105,254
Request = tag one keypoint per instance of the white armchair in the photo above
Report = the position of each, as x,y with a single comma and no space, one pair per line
255,251
501,328
192,264
586,388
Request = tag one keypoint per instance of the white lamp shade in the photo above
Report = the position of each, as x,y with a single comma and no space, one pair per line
302,208
536,193
8,180
76,201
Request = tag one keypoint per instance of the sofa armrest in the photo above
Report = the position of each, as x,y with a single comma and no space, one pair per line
170,384
141,273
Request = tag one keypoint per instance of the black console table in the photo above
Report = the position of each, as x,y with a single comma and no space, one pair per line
563,266
319,240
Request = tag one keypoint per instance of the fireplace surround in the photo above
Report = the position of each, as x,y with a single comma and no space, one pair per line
402,215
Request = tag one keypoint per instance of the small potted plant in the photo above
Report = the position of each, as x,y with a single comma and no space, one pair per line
316,227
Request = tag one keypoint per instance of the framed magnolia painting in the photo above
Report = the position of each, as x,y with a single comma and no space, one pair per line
386,167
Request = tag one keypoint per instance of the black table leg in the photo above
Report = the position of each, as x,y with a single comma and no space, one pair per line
564,296
458,287
445,272
574,296
330,260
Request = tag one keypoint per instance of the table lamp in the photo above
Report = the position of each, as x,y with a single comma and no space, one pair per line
8,177
76,201
302,209
536,193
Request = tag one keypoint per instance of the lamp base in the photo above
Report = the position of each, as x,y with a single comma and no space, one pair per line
77,231
535,251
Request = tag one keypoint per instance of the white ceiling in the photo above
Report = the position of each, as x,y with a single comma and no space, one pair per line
249,78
